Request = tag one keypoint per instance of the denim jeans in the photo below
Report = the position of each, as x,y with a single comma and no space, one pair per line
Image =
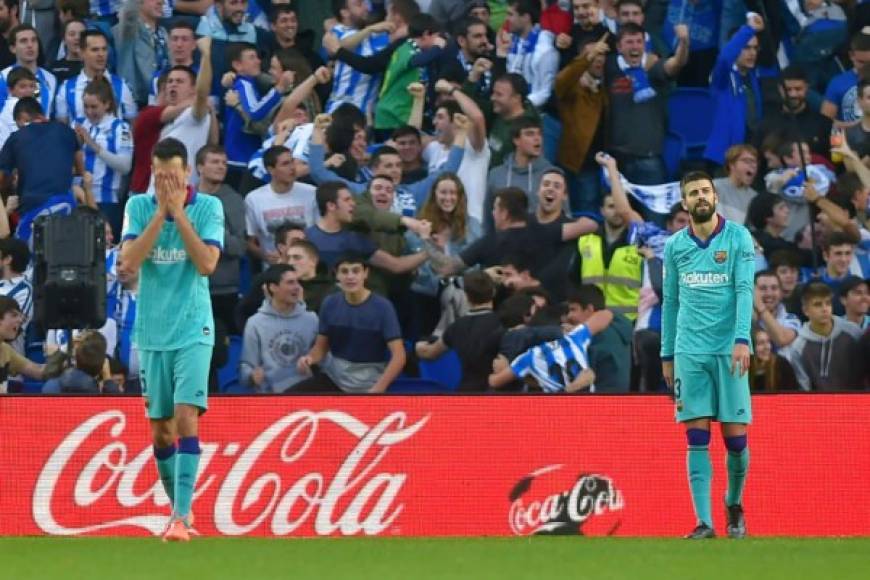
585,191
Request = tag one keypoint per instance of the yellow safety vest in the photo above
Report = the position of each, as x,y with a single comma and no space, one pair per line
620,281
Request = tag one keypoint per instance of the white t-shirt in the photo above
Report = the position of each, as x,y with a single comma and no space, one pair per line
266,210
7,122
472,172
192,132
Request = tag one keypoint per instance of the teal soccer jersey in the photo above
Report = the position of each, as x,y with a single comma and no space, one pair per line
174,307
708,288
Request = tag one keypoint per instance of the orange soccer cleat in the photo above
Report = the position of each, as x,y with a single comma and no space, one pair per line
177,532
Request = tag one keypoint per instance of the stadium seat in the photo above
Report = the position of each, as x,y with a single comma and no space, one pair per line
245,275
445,370
415,386
234,388
229,373
673,153
690,115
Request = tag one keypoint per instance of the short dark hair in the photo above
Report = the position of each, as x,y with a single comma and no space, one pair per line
693,176
279,9
621,3
90,353
327,192
270,157
522,260
794,72
380,152
514,201
629,29
478,286
351,258
518,83
531,8
18,251
816,290
676,210
285,228
463,26
850,283
549,315
848,184
421,23
587,295
13,34
859,42
785,257
91,33
769,273
522,123
761,209
182,68
207,150
452,108
236,49
8,305
19,74
27,106
515,309
168,149
180,23
863,84
308,247
405,131
838,239
272,276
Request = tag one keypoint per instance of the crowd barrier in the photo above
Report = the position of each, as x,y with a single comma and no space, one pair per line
429,466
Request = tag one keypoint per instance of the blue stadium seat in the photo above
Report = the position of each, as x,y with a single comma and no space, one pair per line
229,373
234,388
690,115
673,153
245,275
445,370
415,386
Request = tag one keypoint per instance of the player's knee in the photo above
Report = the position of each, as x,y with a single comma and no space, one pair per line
736,444
698,437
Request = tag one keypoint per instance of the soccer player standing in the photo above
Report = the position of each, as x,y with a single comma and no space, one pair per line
706,317
174,238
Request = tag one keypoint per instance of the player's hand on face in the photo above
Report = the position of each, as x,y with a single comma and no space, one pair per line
668,373
176,194
161,189
740,359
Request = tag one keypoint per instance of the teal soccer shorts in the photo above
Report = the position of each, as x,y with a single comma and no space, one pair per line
705,387
172,377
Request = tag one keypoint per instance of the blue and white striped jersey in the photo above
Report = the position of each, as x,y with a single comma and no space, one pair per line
105,7
68,104
556,363
47,88
113,135
349,84
121,307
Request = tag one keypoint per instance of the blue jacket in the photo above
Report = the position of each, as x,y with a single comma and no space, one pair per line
729,96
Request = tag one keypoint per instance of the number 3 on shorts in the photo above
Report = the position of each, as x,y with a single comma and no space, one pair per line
677,384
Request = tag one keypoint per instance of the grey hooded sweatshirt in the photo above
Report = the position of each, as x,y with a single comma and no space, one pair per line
825,363
275,341
507,174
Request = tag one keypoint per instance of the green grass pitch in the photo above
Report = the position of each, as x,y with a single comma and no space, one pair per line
547,558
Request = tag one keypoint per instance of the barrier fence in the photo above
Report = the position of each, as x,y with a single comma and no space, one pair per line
429,466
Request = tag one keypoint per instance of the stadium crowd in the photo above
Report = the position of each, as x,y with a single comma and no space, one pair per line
403,179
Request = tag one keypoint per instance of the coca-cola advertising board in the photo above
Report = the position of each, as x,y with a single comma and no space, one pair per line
429,466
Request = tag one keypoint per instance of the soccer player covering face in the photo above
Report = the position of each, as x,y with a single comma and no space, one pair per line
706,318
173,237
